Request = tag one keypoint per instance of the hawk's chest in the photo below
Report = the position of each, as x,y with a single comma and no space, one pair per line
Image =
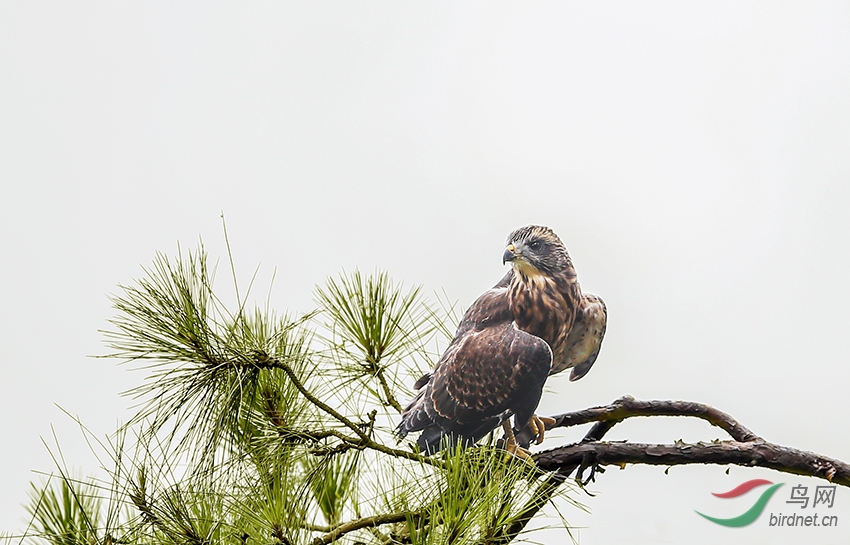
545,308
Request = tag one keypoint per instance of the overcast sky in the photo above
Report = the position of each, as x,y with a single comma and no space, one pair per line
694,158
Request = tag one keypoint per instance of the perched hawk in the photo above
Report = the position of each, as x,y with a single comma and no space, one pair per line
533,323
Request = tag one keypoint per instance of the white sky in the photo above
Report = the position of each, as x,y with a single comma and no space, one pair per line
694,157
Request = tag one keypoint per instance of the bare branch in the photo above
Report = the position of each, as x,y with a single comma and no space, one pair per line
627,407
747,449
757,453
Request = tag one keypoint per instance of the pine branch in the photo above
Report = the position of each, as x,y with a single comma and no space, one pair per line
365,441
544,493
365,522
391,400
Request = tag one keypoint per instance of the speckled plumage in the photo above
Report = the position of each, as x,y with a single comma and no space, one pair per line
510,339
585,338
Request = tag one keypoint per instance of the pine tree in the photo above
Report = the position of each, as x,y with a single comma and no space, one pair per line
266,429
258,428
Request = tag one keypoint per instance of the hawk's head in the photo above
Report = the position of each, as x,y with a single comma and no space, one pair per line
535,249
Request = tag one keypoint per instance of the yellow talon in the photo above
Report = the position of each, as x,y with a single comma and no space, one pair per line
538,426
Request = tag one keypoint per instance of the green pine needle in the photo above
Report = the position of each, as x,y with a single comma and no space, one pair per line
251,428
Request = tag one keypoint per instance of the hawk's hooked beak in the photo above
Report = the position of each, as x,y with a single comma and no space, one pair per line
510,254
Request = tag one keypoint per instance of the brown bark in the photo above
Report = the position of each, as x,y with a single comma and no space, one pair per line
746,449
756,453
627,407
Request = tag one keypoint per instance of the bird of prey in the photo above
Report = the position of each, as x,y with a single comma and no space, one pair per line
533,323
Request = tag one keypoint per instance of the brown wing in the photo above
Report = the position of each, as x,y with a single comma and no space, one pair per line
489,309
489,371
585,337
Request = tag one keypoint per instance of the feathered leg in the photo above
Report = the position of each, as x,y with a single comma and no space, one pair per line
510,442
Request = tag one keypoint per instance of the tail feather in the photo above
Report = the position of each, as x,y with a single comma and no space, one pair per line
415,416
434,438
431,440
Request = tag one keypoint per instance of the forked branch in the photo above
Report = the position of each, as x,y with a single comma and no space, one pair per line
746,449
608,416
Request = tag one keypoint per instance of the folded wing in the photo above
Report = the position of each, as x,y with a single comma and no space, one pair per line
585,338
490,371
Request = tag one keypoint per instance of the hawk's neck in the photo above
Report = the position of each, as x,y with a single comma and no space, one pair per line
545,305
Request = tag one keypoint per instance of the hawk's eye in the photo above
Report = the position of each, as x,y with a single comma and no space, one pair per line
534,245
